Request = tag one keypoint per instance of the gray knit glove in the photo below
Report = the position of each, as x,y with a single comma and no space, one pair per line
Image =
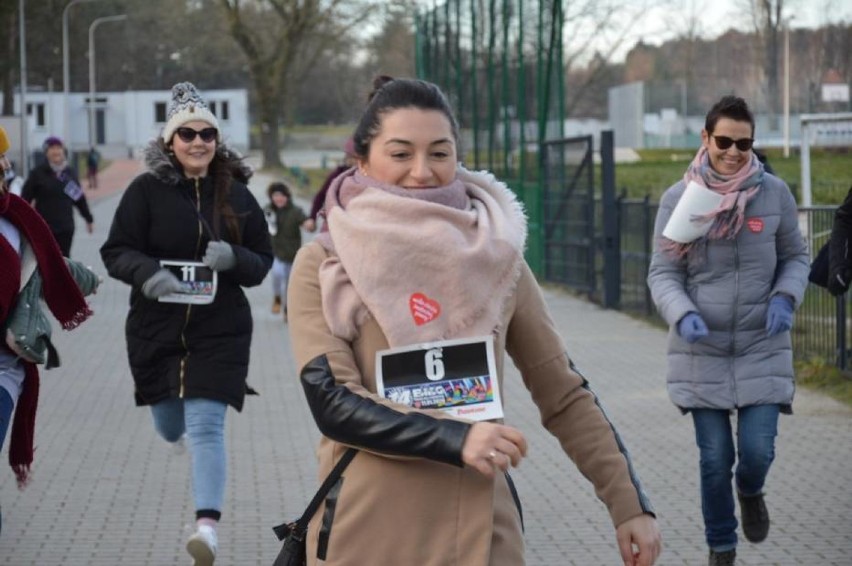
219,256
161,283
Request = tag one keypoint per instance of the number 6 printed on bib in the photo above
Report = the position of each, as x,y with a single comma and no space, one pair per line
455,376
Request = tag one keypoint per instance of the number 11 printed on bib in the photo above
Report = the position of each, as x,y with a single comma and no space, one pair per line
198,282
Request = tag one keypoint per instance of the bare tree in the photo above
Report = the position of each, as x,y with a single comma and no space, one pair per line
391,49
282,40
9,25
768,24
596,32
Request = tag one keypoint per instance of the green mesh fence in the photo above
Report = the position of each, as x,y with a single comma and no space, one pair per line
499,62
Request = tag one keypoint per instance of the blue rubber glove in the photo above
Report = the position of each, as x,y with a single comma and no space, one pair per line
779,317
219,256
692,327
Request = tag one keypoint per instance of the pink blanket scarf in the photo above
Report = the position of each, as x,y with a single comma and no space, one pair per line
736,191
427,264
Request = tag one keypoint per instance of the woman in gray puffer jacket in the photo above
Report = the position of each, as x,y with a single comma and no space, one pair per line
728,297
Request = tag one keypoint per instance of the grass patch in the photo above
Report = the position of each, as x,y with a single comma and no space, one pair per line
821,376
661,168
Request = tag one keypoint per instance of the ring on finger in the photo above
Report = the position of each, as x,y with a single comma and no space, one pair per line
492,455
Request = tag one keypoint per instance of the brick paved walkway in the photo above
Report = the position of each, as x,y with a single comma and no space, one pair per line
108,491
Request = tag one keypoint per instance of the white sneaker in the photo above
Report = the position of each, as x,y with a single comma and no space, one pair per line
202,545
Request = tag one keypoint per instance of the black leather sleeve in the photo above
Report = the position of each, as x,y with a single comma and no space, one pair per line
349,418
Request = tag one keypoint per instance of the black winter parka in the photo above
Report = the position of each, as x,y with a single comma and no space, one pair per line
47,190
179,350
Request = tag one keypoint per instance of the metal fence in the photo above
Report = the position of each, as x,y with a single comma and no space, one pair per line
821,328
499,62
568,212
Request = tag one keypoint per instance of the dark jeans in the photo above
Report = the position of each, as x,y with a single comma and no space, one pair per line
64,241
6,407
757,427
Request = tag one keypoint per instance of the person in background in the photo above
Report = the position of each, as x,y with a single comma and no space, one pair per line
839,256
419,250
286,221
34,274
93,160
14,183
349,161
55,189
189,361
729,298
764,159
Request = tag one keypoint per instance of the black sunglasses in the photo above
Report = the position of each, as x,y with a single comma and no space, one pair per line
207,135
724,142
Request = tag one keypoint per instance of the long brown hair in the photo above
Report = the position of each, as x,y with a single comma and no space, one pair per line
223,177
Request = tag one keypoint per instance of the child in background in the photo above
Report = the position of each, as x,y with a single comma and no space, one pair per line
285,220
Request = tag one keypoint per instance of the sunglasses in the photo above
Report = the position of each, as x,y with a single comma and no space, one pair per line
724,142
207,135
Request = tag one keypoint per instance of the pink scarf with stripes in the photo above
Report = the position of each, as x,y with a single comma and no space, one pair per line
736,191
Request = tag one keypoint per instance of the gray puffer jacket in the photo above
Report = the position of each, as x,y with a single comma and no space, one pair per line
729,283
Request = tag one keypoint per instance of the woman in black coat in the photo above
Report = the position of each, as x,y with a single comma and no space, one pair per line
840,260
188,351
54,189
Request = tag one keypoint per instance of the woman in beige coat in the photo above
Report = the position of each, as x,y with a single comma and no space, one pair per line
417,251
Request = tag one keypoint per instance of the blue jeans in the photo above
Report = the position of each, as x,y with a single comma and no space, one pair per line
280,279
203,420
757,427
6,407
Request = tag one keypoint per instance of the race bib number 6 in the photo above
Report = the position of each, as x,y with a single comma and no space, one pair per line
456,376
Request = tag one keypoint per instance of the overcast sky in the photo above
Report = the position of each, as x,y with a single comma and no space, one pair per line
717,16
656,21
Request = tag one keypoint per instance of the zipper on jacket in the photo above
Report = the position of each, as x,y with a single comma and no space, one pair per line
734,322
189,307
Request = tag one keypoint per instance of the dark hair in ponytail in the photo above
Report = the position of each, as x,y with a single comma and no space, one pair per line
389,94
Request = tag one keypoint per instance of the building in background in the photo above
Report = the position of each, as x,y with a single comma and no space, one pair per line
124,122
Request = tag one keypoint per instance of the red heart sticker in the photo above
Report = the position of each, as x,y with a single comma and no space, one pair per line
423,309
755,225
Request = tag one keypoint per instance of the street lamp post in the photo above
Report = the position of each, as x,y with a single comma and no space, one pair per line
66,69
92,29
787,86
24,122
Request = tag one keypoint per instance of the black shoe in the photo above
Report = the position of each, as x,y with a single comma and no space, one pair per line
755,517
726,558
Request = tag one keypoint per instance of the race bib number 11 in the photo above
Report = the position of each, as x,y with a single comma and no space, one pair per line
198,282
455,376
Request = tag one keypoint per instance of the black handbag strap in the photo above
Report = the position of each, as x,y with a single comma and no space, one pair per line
301,524
326,486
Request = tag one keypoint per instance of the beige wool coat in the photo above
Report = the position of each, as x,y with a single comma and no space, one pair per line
404,510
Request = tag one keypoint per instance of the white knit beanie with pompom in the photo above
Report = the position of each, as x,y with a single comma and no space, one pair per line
185,106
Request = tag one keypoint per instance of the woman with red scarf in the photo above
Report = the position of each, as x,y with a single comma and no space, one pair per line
29,255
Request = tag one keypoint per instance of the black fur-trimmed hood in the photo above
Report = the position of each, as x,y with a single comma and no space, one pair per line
164,167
